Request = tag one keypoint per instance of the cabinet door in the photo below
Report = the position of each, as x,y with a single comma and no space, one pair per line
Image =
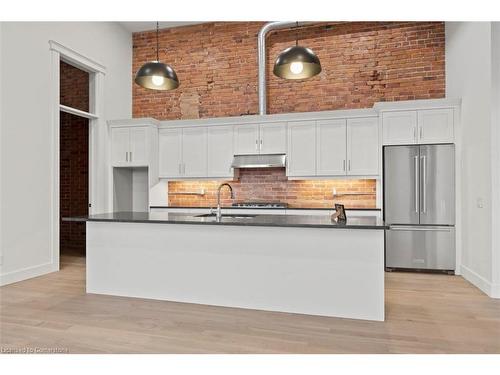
220,151
435,126
362,147
139,143
331,141
170,151
399,128
273,138
120,141
194,152
301,148
246,139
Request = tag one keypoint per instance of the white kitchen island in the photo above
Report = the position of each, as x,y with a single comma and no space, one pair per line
295,264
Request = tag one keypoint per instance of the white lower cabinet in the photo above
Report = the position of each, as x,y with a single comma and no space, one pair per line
362,147
220,149
301,158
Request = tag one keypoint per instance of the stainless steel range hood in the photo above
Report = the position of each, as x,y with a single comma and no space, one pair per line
259,161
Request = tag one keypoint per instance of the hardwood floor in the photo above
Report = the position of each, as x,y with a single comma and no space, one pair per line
424,314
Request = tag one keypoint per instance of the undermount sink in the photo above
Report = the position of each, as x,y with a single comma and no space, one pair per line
234,216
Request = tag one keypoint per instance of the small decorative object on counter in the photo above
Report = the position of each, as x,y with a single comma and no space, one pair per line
339,215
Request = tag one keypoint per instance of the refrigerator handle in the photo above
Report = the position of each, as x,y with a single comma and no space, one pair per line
424,173
415,159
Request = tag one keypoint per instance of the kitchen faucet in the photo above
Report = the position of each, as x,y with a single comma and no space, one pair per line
218,213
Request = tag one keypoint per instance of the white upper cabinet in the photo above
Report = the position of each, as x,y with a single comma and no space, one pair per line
170,151
435,126
418,126
331,147
362,147
399,128
251,139
139,146
120,146
130,146
220,151
272,138
246,139
301,158
183,152
194,152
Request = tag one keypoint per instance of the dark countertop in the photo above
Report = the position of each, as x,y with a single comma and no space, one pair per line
268,208
302,221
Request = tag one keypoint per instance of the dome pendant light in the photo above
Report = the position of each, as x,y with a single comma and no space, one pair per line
297,62
155,75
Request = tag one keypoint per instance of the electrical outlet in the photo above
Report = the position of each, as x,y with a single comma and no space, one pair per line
480,203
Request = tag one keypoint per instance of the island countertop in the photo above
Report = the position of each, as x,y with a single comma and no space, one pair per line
302,221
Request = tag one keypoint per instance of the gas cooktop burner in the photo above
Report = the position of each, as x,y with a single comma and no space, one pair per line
261,204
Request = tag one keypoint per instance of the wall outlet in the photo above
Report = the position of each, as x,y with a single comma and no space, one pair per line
480,203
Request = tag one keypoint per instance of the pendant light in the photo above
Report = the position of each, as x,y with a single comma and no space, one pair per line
297,62
155,75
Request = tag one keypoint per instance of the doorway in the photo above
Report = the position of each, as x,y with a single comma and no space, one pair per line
73,159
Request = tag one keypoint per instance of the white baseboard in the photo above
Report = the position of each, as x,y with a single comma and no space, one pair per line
28,273
492,290
495,291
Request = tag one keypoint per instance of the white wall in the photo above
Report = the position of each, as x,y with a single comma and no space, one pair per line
26,148
469,76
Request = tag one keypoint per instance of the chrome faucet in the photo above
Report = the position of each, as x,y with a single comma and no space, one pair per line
218,213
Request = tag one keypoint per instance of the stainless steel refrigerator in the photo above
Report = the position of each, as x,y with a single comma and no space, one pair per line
419,207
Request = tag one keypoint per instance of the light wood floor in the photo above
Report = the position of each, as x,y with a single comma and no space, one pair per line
424,314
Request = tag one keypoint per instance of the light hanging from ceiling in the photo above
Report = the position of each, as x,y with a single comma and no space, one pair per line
297,62
155,75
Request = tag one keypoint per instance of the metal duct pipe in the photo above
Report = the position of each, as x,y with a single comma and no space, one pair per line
261,48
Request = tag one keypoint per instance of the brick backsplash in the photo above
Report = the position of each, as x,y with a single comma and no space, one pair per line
271,184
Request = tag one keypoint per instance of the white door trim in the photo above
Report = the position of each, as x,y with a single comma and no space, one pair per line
96,72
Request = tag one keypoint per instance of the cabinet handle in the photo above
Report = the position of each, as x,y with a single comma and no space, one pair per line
343,165
256,145
126,155
421,133
349,164
261,143
130,155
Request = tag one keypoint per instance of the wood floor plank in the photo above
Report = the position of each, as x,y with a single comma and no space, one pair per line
425,313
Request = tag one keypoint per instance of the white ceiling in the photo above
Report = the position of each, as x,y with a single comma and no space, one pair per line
145,26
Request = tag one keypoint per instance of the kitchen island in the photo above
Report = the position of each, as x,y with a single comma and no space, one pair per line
299,264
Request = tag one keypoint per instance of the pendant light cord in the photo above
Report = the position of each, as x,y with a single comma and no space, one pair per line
297,34
157,43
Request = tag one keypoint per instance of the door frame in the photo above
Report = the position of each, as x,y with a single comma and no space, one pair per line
97,71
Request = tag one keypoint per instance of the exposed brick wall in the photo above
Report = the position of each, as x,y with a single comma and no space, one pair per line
273,185
363,62
73,167
74,87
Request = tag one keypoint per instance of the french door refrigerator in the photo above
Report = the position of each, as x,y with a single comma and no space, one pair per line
419,207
